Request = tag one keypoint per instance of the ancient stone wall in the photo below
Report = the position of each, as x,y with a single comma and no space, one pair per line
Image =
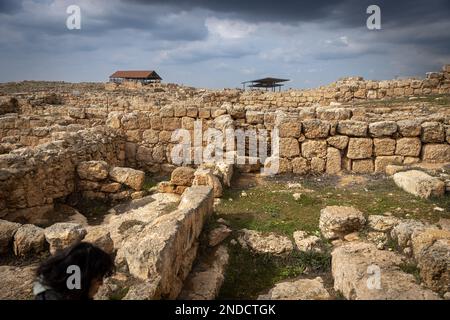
311,140
31,179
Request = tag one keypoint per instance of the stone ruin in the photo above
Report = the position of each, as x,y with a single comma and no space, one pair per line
63,144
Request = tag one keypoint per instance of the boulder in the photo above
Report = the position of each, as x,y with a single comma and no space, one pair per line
29,239
423,238
362,272
403,231
182,176
205,177
306,243
62,235
419,184
93,170
130,177
434,264
7,231
224,171
100,237
217,235
382,223
302,289
270,243
337,221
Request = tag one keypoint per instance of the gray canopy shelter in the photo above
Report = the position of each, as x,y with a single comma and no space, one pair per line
268,83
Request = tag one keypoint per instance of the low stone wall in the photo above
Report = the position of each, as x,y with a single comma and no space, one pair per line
311,140
32,178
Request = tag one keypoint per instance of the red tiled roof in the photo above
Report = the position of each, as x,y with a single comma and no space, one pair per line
136,74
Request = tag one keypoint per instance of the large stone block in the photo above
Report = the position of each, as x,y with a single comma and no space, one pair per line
333,113
382,128
29,239
436,153
338,221
7,231
317,165
334,161
408,147
433,132
300,165
171,123
382,162
353,268
93,170
359,148
339,142
314,148
182,176
362,166
315,128
264,243
290,128
301,289
384,146
419,184
254,117
289,147
130,177
352,128
409,128
150,136
63,235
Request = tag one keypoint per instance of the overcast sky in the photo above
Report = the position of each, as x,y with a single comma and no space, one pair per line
220,43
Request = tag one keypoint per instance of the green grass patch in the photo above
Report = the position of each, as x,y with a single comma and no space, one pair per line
411,268
272,207
249,275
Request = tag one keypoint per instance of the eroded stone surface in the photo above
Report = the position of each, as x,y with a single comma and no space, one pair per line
354,265
265,243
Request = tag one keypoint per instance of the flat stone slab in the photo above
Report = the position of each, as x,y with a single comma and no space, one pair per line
270,243
419,184
302,289
362,272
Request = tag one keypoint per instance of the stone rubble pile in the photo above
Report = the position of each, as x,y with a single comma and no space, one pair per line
99,181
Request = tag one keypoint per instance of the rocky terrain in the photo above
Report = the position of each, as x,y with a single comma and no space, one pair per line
359,208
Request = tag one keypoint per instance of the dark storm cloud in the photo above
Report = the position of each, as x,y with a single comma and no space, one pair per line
347,13
10,6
